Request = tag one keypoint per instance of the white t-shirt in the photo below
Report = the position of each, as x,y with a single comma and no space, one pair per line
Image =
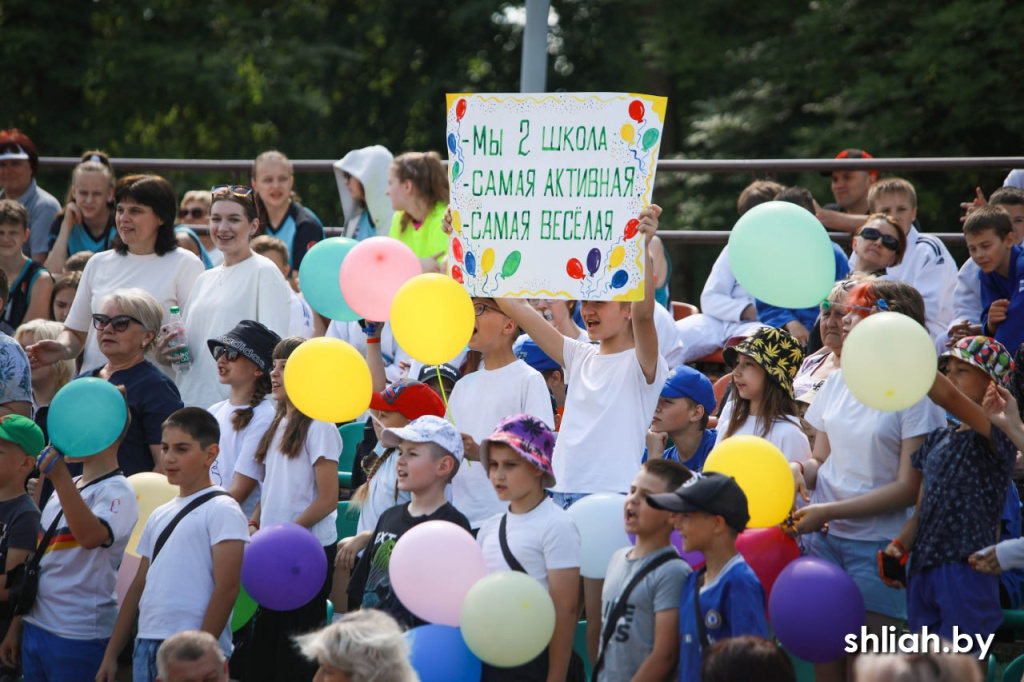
169,278
179,583
221,298
76,596
608,408
478,402
301,317
236,445
382,489
865,453
785,434
670,345
289,483
543,539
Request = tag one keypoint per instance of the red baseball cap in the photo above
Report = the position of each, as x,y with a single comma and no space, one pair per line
856,154
411,398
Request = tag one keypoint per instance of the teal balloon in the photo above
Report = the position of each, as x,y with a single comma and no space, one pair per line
88,416
512,262
455,169
782,255
650,137
319,278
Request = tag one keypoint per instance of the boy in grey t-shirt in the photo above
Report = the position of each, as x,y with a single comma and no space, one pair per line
644,635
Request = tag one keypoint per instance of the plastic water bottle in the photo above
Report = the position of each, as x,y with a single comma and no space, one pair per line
182,361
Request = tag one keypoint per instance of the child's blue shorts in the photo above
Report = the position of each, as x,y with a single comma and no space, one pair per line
859,558
942,597
46,656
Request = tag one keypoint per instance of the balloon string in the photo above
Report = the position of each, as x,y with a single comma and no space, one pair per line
448,411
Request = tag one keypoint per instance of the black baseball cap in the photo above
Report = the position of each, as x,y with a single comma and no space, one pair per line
709,492
448,372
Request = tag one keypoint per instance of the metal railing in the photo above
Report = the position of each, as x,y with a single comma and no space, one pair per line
664,165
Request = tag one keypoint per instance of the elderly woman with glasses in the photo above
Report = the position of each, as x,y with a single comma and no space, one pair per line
246,286
144,255
126,327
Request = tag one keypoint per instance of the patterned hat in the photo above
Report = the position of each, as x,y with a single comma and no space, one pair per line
253,340
775,351
426,429
986,354
530,438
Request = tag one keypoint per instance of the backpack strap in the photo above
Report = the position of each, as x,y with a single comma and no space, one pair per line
199,501
510,558
618,609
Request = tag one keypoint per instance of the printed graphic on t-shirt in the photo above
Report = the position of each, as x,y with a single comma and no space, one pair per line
625,622
378,583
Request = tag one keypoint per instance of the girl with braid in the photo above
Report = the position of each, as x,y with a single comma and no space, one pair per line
243,358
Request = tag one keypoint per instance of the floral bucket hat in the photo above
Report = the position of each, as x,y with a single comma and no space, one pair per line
986,354
530,438
776,351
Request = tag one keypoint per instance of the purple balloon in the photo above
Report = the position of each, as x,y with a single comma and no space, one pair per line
283,567
814,605
695,559
593,260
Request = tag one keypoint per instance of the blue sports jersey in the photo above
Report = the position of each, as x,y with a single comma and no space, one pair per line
696,462
299,230
732,605
80,240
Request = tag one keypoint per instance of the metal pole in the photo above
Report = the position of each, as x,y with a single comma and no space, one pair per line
534,71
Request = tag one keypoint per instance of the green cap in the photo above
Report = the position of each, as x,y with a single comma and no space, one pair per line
23,432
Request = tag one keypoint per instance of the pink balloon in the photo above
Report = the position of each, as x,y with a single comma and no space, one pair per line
432,568
372,272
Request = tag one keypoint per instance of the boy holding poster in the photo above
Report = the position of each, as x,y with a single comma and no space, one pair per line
613,390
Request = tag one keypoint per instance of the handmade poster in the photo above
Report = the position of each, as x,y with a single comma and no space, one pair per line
546,191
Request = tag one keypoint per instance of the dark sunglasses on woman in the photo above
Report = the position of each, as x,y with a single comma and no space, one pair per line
118,322
888,241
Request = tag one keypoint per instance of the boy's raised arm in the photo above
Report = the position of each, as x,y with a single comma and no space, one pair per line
550,340
645,334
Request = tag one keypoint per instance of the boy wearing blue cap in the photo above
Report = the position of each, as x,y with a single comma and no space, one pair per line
686,403
724,599
554,376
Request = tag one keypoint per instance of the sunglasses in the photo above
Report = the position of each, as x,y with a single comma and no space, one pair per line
194,213
888,241
118,322
479,308
241,191
221,351
880,306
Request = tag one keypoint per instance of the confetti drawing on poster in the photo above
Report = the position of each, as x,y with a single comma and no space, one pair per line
547,190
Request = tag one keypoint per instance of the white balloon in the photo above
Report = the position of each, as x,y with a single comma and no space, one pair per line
888,362
601,523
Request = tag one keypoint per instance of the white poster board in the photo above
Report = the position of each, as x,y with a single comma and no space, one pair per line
546,190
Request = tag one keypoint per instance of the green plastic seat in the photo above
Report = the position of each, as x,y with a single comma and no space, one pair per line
579,645
348,520
351,436
1015,670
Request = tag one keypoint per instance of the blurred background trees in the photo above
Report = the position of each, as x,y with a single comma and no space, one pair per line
316,78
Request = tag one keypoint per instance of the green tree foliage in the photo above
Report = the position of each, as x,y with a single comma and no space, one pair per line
316,78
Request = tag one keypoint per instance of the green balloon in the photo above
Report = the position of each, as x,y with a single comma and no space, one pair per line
802,268
245,609
455,170
512,262
650,137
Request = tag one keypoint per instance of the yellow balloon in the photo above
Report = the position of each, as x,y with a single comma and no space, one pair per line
487,262
457,222
618,253
328,380
432,318
151,491
899,377
507,618
628,133
762,472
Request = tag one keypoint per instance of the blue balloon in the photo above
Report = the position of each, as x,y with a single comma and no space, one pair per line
439,654
470,263
619,279
80,431
319,281
452,142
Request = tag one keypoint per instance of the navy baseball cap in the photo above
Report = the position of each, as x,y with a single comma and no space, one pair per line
530,353
709,492
686,382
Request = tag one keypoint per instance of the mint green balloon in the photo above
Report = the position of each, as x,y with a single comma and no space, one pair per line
782,255
650,137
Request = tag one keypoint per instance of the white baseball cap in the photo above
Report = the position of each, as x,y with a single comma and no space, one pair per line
426,429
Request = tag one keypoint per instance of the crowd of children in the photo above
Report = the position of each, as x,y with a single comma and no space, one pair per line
551,402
